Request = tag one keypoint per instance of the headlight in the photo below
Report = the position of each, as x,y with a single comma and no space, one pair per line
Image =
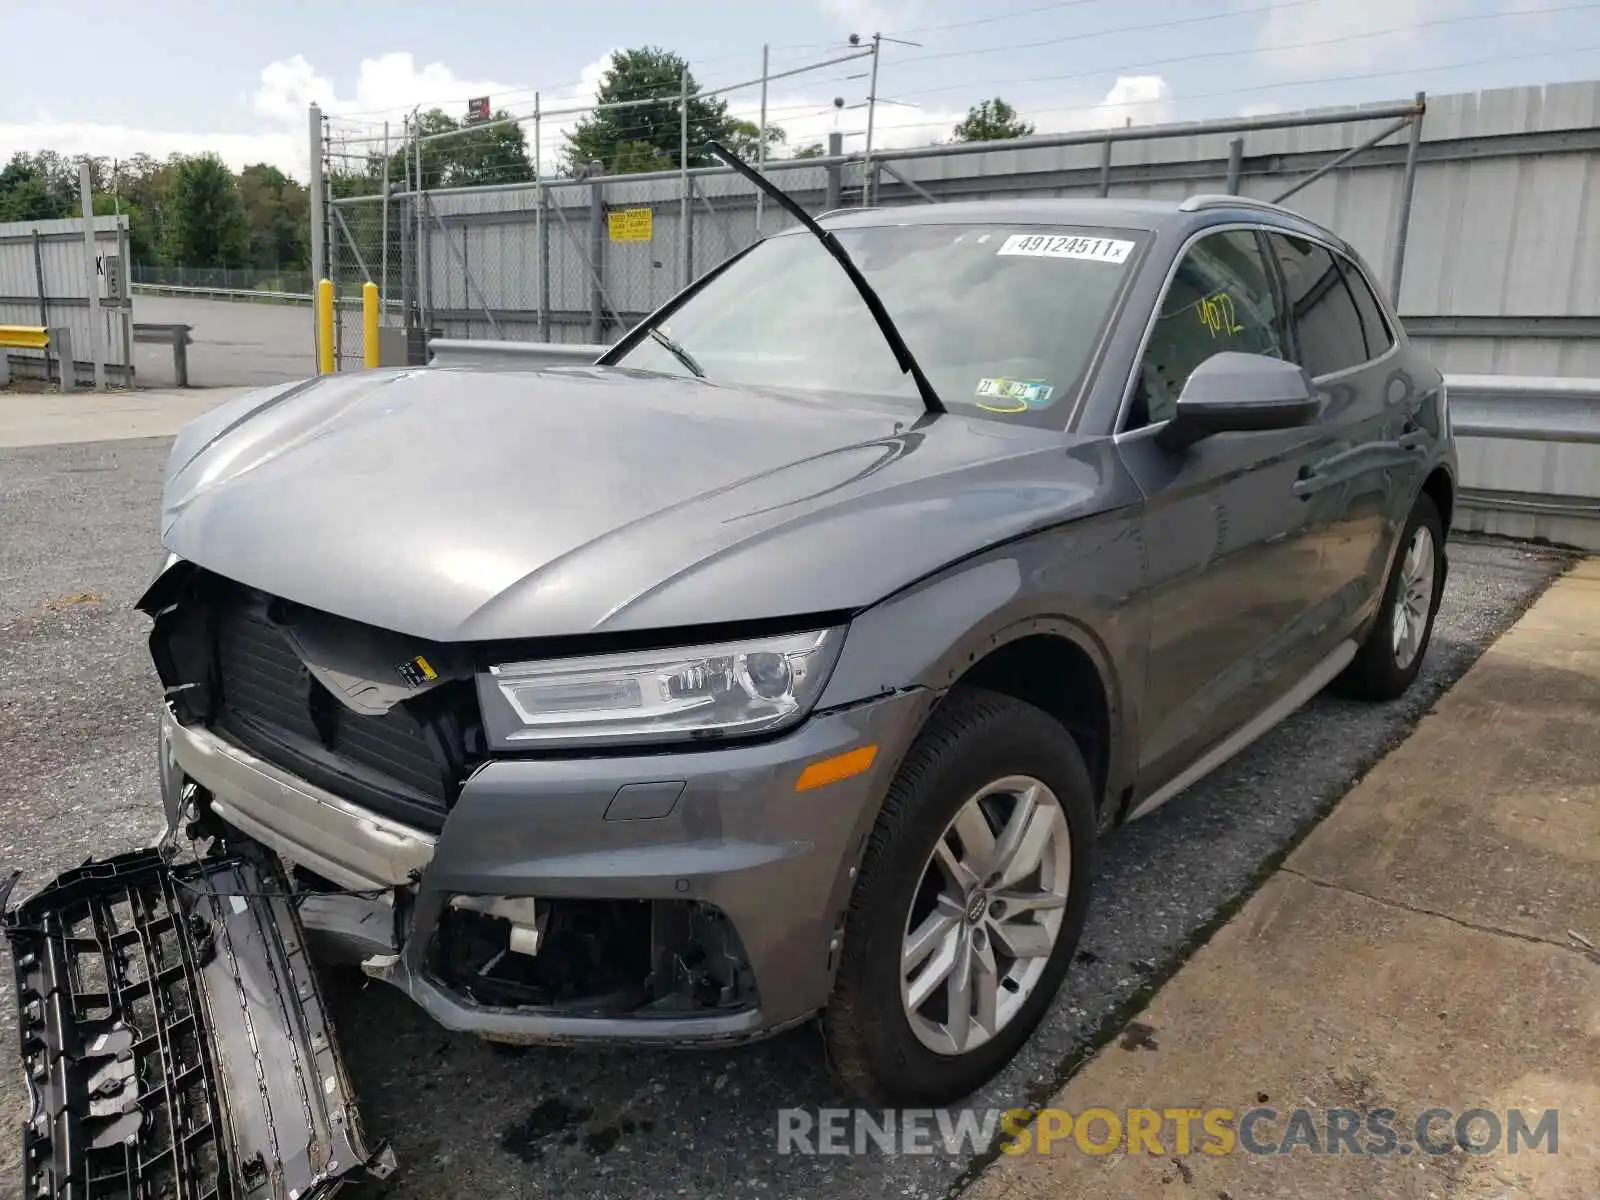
725,690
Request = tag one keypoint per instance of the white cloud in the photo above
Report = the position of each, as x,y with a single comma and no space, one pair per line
1133,99
72,138
867,17
386,86
1141,99
390,85
1308,40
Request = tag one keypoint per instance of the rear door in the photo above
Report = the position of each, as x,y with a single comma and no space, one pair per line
1233,561
1338,333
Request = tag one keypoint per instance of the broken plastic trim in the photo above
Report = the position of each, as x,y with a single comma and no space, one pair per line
174,1039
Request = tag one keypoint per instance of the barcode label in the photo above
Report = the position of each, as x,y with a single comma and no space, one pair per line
1042,245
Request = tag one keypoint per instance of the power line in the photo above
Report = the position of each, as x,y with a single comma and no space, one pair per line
1077,37
1401,72
1115,29
1005,16
1215,54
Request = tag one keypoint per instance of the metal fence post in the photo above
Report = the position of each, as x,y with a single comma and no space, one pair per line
835,172
543,231
38,277
319,228
97,335
597,249
684,218
383,274
1105,168
541,223
761,138
425,259
1407,189
125,251
1235,164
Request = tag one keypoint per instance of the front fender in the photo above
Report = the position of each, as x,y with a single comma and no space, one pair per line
1079,582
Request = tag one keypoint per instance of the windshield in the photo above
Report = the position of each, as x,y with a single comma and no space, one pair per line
1003,320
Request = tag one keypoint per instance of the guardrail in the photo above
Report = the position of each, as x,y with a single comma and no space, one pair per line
458,352
245,295
1525,408
1530,458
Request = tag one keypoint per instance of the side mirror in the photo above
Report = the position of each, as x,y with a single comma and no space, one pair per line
1232,392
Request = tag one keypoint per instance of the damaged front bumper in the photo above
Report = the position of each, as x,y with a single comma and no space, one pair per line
174,1039
713,918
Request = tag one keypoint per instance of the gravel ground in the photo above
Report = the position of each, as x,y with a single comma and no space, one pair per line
77,717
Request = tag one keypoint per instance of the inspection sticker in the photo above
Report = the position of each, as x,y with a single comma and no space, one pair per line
1043,245
1013,395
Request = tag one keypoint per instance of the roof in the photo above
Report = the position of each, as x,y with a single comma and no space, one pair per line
1148,215
1133,214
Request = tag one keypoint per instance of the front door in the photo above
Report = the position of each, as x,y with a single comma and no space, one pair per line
1234,565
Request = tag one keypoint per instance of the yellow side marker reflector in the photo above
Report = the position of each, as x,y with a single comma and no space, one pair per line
832,770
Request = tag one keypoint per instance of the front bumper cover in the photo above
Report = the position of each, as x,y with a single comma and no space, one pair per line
779,864
174,1039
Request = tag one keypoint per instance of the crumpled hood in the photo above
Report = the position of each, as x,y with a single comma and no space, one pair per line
465,505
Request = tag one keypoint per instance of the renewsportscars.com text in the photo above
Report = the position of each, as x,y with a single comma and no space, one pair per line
1167,1131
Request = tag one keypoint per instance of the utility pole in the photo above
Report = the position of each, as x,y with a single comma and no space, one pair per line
761,138
872,111
869,172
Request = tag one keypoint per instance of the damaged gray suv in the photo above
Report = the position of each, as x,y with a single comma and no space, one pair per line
789,662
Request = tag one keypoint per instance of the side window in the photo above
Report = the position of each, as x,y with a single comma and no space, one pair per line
1328,331
1373,322
1221,298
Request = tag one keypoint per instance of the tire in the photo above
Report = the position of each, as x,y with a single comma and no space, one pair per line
1384,666
876,1050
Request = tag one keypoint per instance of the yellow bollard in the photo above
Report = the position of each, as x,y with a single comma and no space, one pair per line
325,327
369,322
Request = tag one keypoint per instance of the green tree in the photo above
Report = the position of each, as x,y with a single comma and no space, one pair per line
814,150
206,226
992,121
37,187
468,158
744,139
277,211
141,185
614,137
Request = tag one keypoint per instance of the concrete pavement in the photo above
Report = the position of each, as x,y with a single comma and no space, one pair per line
51,418
236,342
1434,944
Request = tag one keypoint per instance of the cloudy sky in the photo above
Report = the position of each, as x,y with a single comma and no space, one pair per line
177,75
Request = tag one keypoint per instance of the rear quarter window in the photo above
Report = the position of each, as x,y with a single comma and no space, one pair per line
1327,331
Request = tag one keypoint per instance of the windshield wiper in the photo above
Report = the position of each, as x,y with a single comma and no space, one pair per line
902,352
672,347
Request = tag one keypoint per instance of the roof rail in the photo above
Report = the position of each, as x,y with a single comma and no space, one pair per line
1219,200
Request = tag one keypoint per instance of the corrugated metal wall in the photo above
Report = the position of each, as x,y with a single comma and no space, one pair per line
1502,270
44,281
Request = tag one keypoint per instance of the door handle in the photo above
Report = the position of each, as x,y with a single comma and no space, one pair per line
1306,482
1415,439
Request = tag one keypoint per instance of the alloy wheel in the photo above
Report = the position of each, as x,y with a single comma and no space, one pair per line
1413,600
986,915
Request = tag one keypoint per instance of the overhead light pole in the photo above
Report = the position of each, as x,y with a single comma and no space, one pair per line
868,171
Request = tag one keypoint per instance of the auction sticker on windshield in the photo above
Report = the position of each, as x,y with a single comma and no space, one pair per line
1043,245
1013,395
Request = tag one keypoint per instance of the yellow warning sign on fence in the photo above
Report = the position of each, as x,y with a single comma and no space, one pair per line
630,224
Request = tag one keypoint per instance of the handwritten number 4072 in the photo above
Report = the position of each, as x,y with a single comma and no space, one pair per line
1217,315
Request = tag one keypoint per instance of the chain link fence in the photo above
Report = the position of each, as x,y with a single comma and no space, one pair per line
269,279
578,261
482,243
